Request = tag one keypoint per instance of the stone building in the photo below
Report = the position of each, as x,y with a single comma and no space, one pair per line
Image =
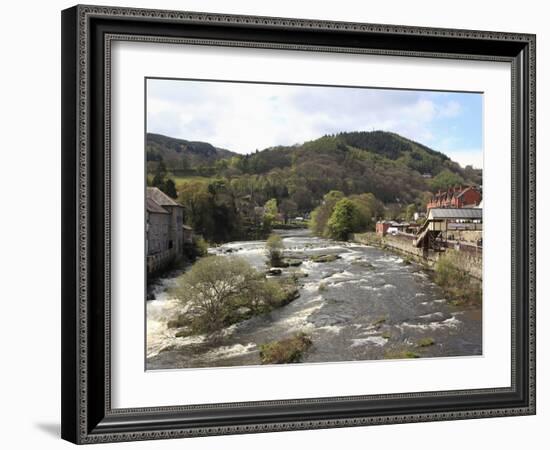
459,225
166,235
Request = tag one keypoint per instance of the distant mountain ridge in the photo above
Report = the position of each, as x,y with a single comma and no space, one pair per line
182,153
392,167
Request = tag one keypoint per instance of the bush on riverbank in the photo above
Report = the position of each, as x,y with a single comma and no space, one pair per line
275,247
285,351
457,284
201,246
220,291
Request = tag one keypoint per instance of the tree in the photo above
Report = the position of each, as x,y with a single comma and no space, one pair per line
198,204
368,208
288,209
393,211
445,179
217,286
303,198
169,188
158,181
344,220
409,212
212,285
321,214
271,207
210,209
275,247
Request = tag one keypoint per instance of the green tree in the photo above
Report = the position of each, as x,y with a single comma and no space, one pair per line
344,220
217,286
169,188
321,214
409,212
158,181
303,198
211,210
212,285
445,179
368,208
288,209
275,247
271,207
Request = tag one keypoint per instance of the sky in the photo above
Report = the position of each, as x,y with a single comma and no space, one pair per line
245,117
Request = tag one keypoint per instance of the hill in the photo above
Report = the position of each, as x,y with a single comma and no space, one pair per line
179,154
399,172
390,166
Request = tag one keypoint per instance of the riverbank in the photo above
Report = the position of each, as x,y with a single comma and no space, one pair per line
403,246
456,273
365,303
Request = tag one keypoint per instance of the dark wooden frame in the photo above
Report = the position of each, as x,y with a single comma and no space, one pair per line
87,32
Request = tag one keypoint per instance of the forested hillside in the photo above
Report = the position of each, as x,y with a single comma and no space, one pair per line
217,185
180,154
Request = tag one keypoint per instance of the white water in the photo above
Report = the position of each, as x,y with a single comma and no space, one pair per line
357,307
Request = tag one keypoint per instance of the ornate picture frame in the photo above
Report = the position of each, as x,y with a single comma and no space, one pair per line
88,33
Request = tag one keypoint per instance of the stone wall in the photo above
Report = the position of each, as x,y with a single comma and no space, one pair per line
467,260
159,261
164,246
158,232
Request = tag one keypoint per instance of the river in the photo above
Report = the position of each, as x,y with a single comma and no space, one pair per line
368,304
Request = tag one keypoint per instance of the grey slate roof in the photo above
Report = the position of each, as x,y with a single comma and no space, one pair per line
456,213
154,207
160,198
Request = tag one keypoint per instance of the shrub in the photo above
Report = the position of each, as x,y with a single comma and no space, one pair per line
425,342
201,246
400,354
275,247
455,281
222,290
285,351
264,295
213,286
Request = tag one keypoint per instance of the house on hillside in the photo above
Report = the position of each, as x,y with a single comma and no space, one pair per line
456,197
166,234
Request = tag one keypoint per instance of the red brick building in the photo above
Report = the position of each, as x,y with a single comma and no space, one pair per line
456,197
382,227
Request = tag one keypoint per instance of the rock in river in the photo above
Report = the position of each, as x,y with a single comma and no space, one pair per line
293,262
325,258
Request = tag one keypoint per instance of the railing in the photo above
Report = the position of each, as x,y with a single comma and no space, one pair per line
422,233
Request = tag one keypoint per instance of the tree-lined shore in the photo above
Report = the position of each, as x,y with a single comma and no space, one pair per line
355,177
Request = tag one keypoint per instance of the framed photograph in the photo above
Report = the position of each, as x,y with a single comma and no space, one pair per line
279,224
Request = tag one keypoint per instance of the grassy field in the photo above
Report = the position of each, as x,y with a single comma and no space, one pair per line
179,180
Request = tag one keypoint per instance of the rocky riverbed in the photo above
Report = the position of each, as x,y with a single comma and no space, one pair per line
356,303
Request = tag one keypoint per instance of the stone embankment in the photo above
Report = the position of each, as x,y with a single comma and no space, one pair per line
467,257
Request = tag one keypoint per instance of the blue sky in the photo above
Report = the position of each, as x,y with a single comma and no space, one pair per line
243,117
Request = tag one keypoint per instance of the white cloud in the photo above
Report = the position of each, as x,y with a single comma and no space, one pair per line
467,157
244,117
450,109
